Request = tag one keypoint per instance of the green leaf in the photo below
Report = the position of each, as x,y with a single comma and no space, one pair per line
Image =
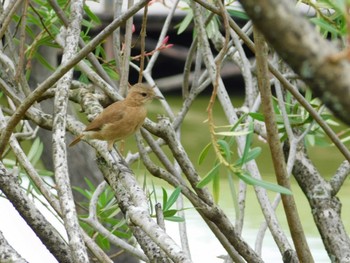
165,197
325,25
35,151
91,15
225,149
204,153
45,173
43,61
237,13
175,219
232,133
257,116
248,142
248,179
82,191
185,23
210,176
251,155
9,162
169,213
216,188
112,73
172,198
233,193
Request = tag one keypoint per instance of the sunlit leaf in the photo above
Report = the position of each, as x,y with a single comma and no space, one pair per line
232,133
175,219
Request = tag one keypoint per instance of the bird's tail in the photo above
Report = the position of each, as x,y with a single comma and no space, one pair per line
76,140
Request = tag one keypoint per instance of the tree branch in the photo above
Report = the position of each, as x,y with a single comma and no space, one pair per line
325,207
69,214
43,229
305,50
290,208
8,253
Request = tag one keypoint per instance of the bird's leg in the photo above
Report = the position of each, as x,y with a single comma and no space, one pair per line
122,160
113,156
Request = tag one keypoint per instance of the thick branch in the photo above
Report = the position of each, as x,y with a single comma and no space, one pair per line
326,208
43,229
8,253
305,50
70,218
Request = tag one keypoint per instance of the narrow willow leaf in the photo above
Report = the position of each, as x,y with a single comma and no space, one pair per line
248,142
216,188
225,148
45,173
185,23
209,177
38,153
174,219
232,133
248,179
233,193
91,15
257,116
33,149
172,198
325,25
169,213
165,197
9,162
237,13
251,155
204,153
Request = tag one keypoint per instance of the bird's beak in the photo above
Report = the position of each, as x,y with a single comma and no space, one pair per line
157,97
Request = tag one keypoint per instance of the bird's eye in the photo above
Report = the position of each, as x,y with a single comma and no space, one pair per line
144,94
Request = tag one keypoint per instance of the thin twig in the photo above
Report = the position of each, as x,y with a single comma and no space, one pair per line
126,51
143,39
22,41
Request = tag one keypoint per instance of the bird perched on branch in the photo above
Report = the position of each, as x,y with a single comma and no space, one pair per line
120,119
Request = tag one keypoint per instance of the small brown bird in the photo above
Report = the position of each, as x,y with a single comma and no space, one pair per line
120,119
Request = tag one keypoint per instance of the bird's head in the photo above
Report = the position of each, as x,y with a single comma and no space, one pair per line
141,94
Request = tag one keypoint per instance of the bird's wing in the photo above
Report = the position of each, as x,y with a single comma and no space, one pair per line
113,113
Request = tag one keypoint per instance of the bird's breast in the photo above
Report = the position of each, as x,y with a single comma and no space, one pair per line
132,120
